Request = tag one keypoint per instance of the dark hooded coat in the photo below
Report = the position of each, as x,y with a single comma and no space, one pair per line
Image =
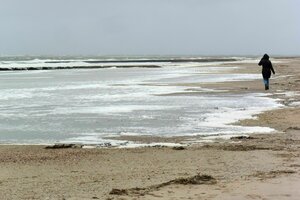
266,67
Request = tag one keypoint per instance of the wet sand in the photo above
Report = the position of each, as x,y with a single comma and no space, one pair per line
262,166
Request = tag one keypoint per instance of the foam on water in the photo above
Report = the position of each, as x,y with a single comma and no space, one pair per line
87,105
105,110
60,63
296,104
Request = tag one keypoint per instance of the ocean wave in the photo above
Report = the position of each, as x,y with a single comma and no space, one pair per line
15,64
74,67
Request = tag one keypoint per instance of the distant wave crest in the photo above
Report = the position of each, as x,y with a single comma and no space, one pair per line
10,64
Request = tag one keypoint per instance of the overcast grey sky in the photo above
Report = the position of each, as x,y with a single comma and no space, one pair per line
142,27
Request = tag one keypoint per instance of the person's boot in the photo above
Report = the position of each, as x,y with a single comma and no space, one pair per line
266,87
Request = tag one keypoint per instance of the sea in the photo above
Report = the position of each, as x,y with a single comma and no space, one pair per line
86,100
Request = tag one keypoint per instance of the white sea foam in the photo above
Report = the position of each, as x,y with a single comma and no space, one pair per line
289,93
208,78
95,140
67,63
296,104
39,64
106,109
84,106
160,144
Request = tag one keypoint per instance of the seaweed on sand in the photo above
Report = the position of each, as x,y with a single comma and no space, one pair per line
194,180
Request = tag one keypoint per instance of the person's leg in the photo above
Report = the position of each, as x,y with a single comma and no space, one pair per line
266,84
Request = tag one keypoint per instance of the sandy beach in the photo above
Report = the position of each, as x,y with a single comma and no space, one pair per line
261,166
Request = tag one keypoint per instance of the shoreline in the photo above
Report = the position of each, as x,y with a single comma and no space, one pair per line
261,166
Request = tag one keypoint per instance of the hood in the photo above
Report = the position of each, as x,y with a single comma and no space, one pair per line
266,56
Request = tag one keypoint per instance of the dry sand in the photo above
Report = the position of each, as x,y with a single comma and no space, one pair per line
259,167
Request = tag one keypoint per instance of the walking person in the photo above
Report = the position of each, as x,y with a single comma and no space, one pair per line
266,69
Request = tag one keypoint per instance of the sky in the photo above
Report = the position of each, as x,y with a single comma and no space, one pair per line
149,27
